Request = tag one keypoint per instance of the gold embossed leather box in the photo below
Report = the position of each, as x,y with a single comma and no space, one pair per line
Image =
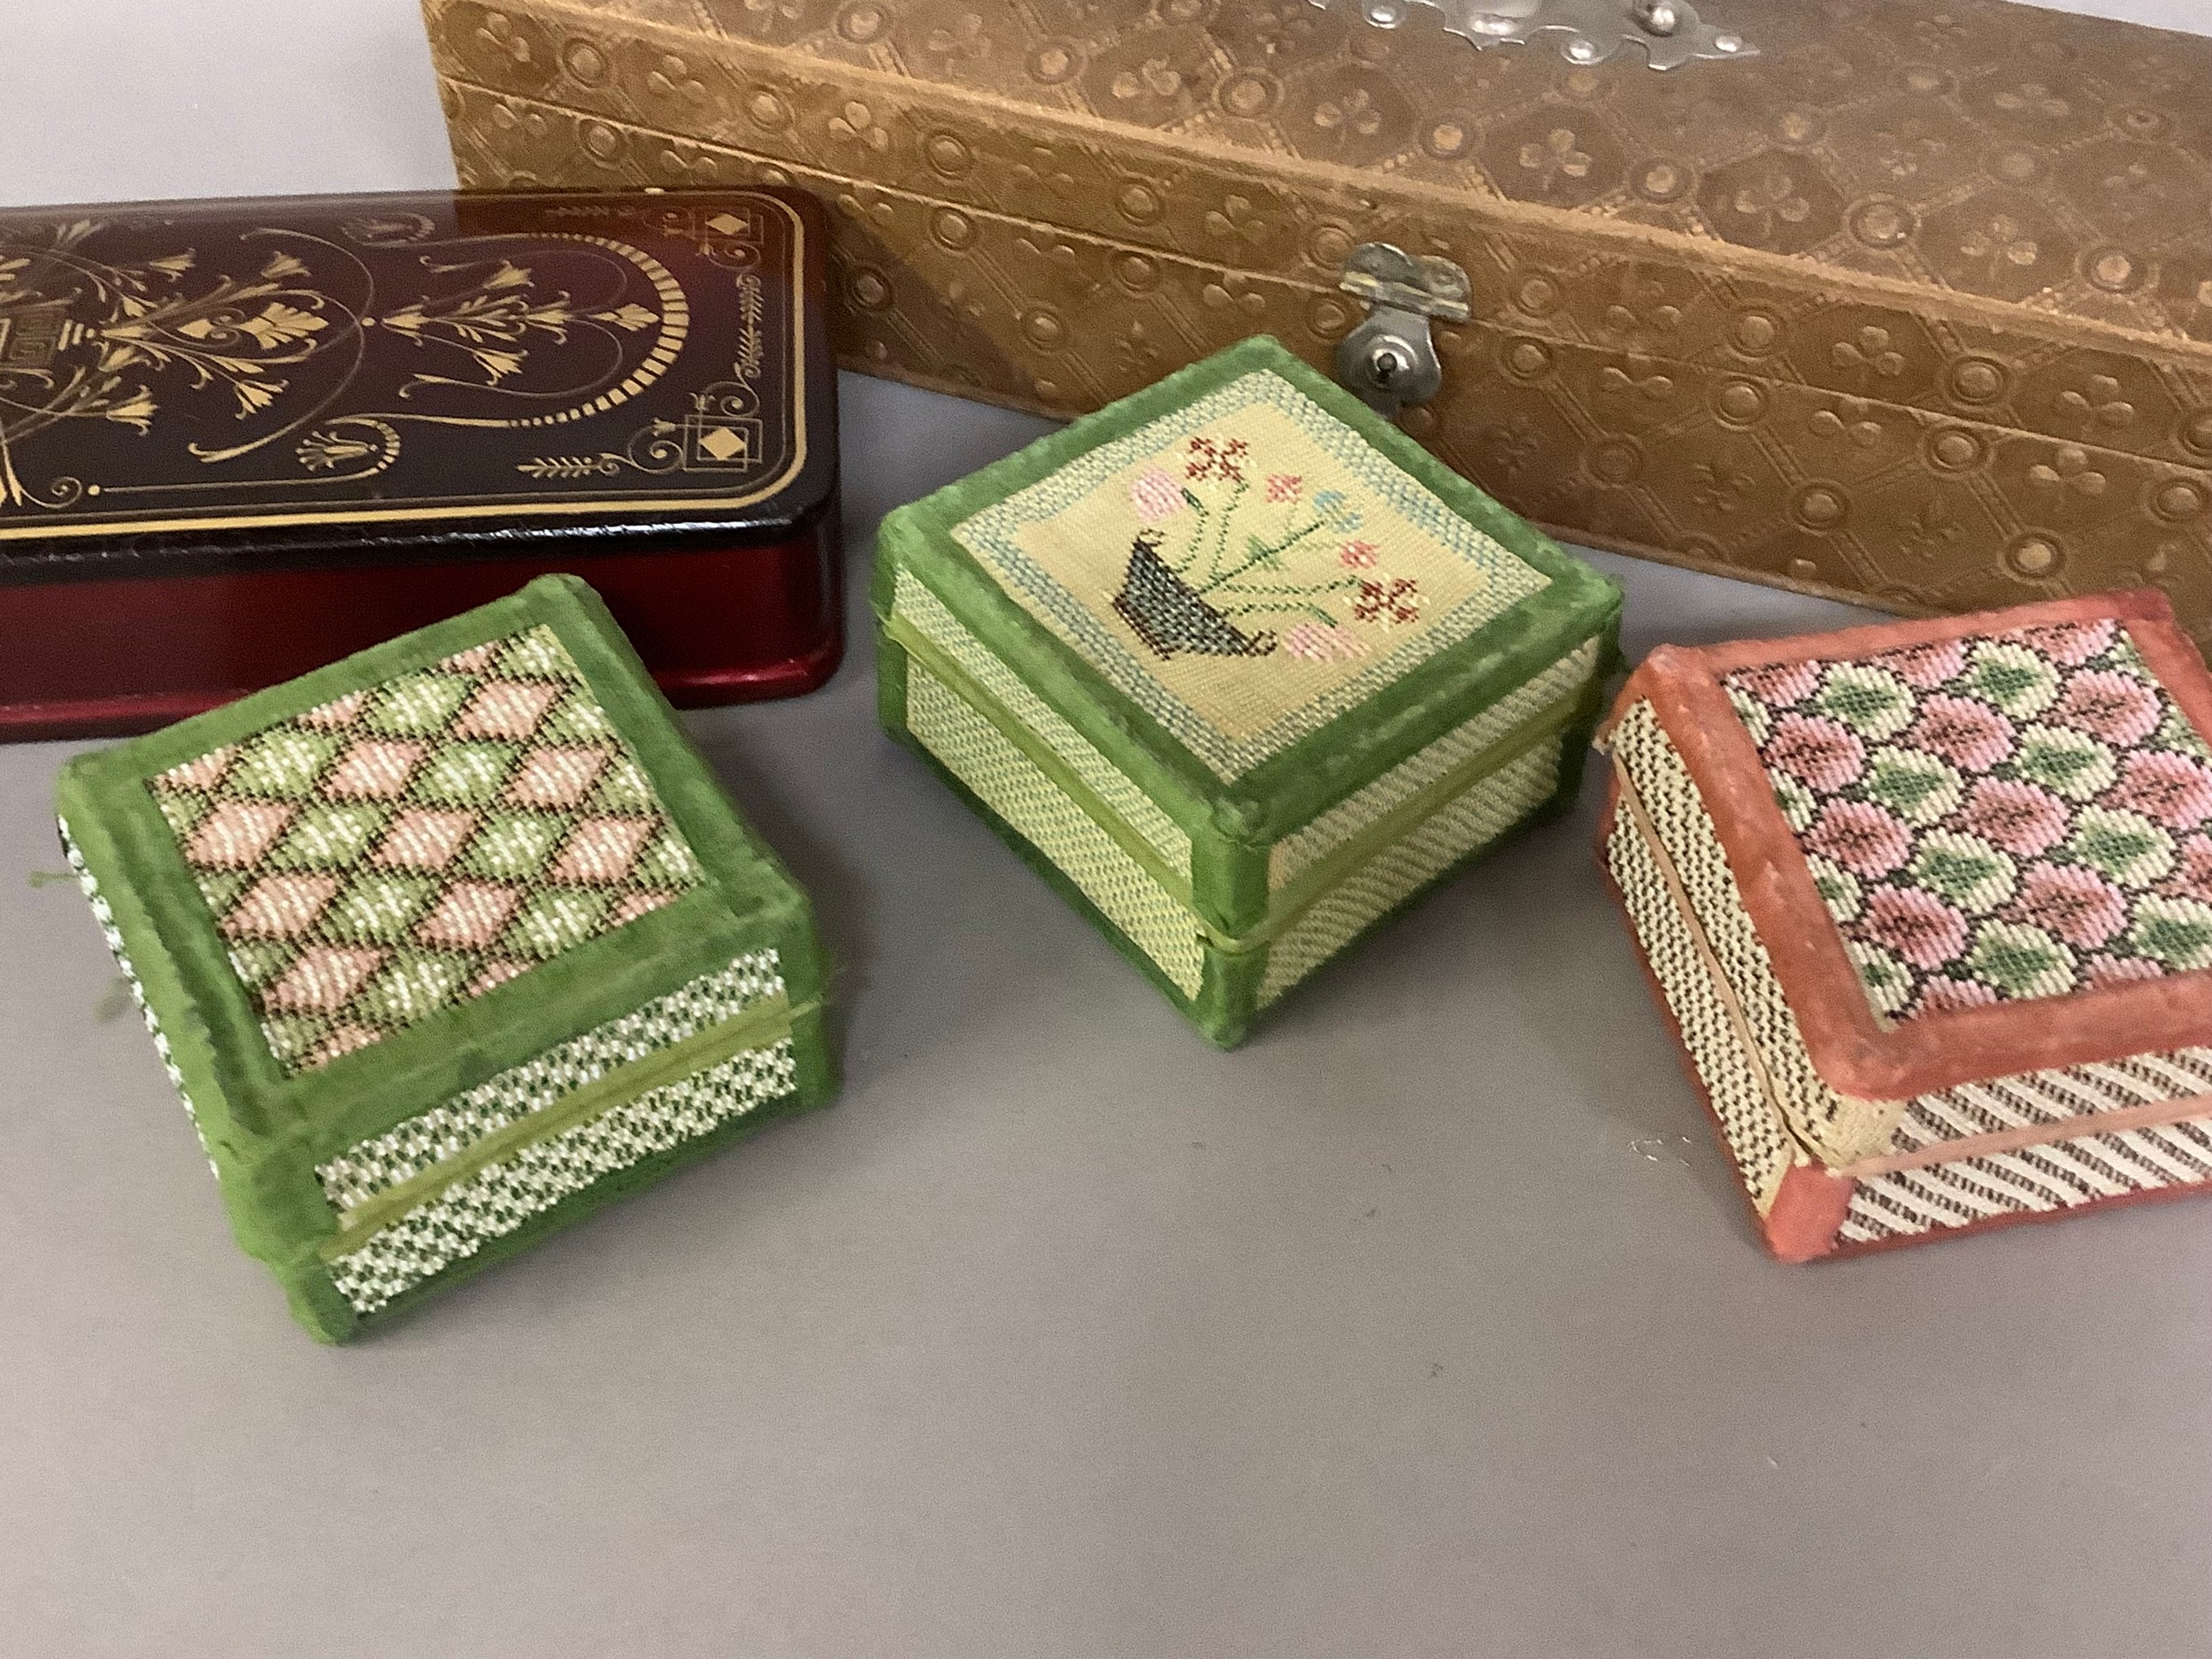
1240,670
1907,301
1930,905
447,945
240,439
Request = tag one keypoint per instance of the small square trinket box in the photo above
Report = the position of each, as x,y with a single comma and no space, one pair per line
447,944
1930,904
1240,668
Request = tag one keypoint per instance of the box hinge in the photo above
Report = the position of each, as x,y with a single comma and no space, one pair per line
1390,358
1670,32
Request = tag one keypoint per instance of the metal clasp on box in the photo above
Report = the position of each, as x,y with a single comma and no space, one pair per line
1390,358
1670,32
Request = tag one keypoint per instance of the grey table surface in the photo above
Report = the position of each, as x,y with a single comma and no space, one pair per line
1429,1323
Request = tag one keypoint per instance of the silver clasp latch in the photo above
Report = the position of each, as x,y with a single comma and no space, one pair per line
1670,32
1389,359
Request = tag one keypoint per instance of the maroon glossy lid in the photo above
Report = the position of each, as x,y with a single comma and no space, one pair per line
201,385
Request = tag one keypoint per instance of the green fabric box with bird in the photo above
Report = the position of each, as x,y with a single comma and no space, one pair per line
1240,668
447,944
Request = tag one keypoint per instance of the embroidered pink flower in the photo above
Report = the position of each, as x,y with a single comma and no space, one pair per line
1317,643
2171,789
2017,816
1358,556
2118,708
1821,754
1393,601
2067,643
1942,994
2076,903
1156,495
1964,731
1916,924
1285,486
1863,839
2192,869
2102,970
1778,684
1209,459
1925,667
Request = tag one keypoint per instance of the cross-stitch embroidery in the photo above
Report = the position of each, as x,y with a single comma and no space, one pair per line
1246,567
2017,815
1220,552
411,845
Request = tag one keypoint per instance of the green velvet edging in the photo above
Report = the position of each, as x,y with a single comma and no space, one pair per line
326,1316
267,1132
1225,1009
1234,824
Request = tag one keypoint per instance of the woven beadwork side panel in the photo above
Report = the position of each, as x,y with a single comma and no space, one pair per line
429,1138
2034,1099
914,602
1843,1127
1347,818
1454,831
2063,1175
104,914
1756,1136
1016,789
504,1197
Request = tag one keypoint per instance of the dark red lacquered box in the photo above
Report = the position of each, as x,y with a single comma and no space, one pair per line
239,439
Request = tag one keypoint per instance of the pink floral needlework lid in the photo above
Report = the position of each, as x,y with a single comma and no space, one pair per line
2022,813
2005,821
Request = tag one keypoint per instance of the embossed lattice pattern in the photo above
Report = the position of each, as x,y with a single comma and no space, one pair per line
504,1197
2011,815
411,845
1763,1128
1675,350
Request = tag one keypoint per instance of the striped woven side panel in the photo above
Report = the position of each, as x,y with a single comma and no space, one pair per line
2085,1169
2061,1176
1456,830
928,613
1557,684
1754,1131
1016,788
1820,1116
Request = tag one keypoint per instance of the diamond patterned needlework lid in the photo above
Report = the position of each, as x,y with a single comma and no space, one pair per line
1974,845
340,869
1276,592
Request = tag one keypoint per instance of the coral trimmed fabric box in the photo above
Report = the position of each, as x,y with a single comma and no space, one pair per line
1240,668
446,945
1931,906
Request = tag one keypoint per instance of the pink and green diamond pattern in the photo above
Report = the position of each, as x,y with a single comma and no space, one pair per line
410,846
2012,815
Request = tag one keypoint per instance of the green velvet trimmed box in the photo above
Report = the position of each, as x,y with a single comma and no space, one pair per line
446,945
1239,669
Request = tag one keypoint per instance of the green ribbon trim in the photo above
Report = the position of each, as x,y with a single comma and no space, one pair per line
1291,900
766,1021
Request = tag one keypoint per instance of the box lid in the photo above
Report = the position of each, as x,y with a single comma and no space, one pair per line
1247,589
1972,846
196,385
363,893
1981,156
